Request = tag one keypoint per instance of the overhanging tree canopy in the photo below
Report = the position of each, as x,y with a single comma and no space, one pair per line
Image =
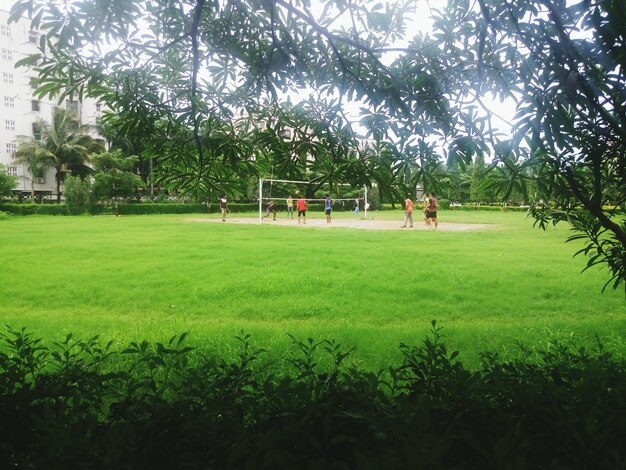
564,65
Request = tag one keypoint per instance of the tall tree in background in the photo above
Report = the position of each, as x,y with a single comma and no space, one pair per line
7,183
477,191
113,176
63,144
32,153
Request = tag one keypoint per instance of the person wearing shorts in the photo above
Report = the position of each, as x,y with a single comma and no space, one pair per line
223,207
431,214
408,211
302,206
328,207
289,207
425,208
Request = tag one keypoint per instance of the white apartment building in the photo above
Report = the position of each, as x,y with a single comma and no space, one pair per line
19,109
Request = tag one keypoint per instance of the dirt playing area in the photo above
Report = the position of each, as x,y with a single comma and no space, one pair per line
365,224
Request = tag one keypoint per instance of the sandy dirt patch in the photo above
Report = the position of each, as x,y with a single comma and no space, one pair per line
369,224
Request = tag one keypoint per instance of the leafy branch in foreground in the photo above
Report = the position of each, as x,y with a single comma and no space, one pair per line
562,63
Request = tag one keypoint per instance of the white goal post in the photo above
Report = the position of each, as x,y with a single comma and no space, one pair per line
261,198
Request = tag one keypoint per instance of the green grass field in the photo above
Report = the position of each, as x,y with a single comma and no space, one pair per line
150,277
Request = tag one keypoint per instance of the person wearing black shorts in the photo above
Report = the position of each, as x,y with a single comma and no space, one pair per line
302,205
431,213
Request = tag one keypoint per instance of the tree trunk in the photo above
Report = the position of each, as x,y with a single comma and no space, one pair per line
58,178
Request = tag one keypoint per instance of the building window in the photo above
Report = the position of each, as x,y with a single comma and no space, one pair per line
9,102
8,77
41,180
71,106
33,83
36,130
35,105
12,170
5,30
98,107
7,54
285,133
32,36
11,148
9,125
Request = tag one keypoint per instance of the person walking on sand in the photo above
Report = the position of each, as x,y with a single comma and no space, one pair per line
328,207
302,207
425,208
289,207
356,207
270,209
223,207
408,211
432,211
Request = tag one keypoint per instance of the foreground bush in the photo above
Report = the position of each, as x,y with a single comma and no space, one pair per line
79,404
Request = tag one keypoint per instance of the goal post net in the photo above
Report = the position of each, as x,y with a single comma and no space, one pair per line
268,192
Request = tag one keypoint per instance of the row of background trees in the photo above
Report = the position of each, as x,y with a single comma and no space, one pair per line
70,149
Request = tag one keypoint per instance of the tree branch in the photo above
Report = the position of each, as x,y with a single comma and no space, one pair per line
194,33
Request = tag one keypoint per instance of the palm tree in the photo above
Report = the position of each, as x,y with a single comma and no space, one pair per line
67,143
35,157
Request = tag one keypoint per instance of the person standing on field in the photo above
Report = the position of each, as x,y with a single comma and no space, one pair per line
408,211
328,207
432,211
223,207
425,208
302,207
289,207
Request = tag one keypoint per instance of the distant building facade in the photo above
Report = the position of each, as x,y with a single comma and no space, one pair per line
19,109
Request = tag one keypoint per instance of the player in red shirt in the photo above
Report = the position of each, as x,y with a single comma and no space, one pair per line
302,207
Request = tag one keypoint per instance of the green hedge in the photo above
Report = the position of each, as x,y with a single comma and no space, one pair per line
31,209
236,207
134,209
484,207
175,208
140,208
281,207
124,209
389,207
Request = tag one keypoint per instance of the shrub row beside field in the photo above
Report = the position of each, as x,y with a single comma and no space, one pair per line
124,209
233,208
147,208
80,404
